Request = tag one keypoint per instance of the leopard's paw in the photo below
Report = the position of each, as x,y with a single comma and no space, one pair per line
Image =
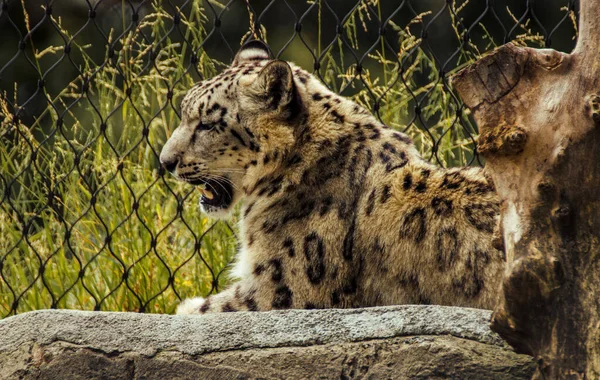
190,306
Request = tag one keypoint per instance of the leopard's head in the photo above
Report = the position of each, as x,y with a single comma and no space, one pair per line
230,124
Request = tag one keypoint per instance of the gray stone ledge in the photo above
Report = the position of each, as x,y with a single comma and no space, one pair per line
254,345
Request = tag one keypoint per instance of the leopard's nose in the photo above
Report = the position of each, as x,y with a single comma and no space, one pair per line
170,165
171,152
169,161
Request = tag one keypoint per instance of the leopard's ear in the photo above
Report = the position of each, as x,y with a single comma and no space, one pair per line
274,86
253,50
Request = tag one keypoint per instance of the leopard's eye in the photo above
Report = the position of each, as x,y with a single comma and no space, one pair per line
203,127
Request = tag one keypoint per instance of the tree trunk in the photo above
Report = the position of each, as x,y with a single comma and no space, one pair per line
538,112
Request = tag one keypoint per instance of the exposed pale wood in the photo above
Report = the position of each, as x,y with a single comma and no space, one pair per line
539,117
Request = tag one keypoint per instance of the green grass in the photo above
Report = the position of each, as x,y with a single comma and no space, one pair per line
111,235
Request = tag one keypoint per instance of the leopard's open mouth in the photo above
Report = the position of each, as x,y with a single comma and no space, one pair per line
215,193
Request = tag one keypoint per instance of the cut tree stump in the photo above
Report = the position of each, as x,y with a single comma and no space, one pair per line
538,112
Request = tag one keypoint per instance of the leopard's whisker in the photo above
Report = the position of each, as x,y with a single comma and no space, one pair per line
234,171
218,178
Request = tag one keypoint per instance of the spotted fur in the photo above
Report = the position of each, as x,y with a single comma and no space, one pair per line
338,209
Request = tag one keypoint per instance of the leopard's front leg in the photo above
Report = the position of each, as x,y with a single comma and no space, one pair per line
241,296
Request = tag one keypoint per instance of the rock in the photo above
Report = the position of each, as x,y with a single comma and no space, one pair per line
418,342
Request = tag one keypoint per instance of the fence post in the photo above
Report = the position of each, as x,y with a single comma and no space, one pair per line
539,116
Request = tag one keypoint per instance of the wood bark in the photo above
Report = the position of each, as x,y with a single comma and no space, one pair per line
538,112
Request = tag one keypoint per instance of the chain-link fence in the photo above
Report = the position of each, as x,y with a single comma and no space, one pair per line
90,90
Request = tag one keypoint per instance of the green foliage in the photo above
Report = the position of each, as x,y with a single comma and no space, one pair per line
110,212
102,228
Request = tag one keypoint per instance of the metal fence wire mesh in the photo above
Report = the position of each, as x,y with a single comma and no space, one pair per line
90,91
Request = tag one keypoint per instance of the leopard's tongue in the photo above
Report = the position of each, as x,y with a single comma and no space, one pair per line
207,193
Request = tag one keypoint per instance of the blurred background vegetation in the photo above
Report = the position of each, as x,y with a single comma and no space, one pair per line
90,90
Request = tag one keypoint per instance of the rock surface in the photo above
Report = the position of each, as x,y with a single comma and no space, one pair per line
417,342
